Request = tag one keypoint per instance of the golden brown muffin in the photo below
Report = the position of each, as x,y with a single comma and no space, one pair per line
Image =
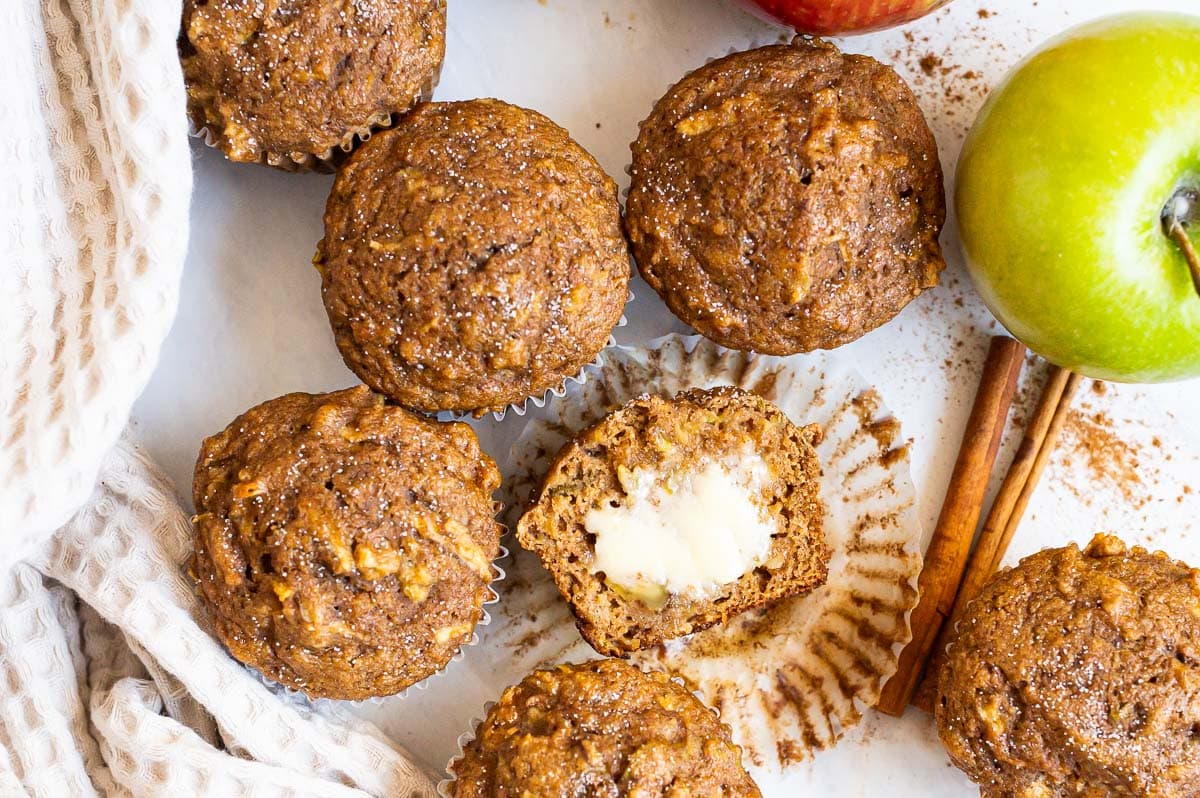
601,729
787,199
473,257
1077,675
293,81
673,515
344,547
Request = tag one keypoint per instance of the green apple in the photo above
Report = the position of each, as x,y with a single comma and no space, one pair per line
1078,199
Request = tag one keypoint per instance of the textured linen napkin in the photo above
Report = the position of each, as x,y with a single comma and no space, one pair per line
107,684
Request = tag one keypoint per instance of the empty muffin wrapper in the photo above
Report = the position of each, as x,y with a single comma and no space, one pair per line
792,678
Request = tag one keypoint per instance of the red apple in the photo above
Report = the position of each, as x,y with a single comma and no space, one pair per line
840,17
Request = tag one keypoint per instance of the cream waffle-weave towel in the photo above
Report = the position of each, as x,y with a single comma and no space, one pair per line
93,230
109,687
107,684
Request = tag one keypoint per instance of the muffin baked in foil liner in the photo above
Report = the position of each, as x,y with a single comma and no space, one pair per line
789,679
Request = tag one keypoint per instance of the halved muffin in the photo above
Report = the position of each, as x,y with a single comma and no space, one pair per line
672,515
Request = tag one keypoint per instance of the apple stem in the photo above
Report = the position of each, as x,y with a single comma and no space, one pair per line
1182,207
1179,235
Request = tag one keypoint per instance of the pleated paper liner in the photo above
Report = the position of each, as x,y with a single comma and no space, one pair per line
445,787
325,162
789,679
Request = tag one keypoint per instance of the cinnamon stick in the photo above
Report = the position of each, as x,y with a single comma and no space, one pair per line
951,543
1037,444
1039,465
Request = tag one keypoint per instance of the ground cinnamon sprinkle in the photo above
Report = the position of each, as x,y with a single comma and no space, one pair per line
938,70
1112,462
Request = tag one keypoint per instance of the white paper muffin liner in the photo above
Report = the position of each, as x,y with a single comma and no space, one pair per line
790,679
445,787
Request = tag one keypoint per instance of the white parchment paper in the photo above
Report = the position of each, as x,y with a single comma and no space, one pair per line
251,325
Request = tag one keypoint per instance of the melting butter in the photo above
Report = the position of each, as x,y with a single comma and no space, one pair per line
690,534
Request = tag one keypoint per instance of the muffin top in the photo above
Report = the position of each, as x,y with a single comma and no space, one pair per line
287,80
671,515
1077,674
602,728
787,199
473,256
344,547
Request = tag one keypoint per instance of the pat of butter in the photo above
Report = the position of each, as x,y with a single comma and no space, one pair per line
689,535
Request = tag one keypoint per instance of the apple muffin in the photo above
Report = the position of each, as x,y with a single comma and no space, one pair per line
1077,675
601,728
292,82
787,199
672,515
344,547
473,257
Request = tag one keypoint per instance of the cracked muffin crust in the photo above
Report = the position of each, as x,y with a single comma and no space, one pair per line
344,547
473,257
1077,675
290,81
603,728
634,461
787,199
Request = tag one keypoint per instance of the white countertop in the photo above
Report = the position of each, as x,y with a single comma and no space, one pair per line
251,325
